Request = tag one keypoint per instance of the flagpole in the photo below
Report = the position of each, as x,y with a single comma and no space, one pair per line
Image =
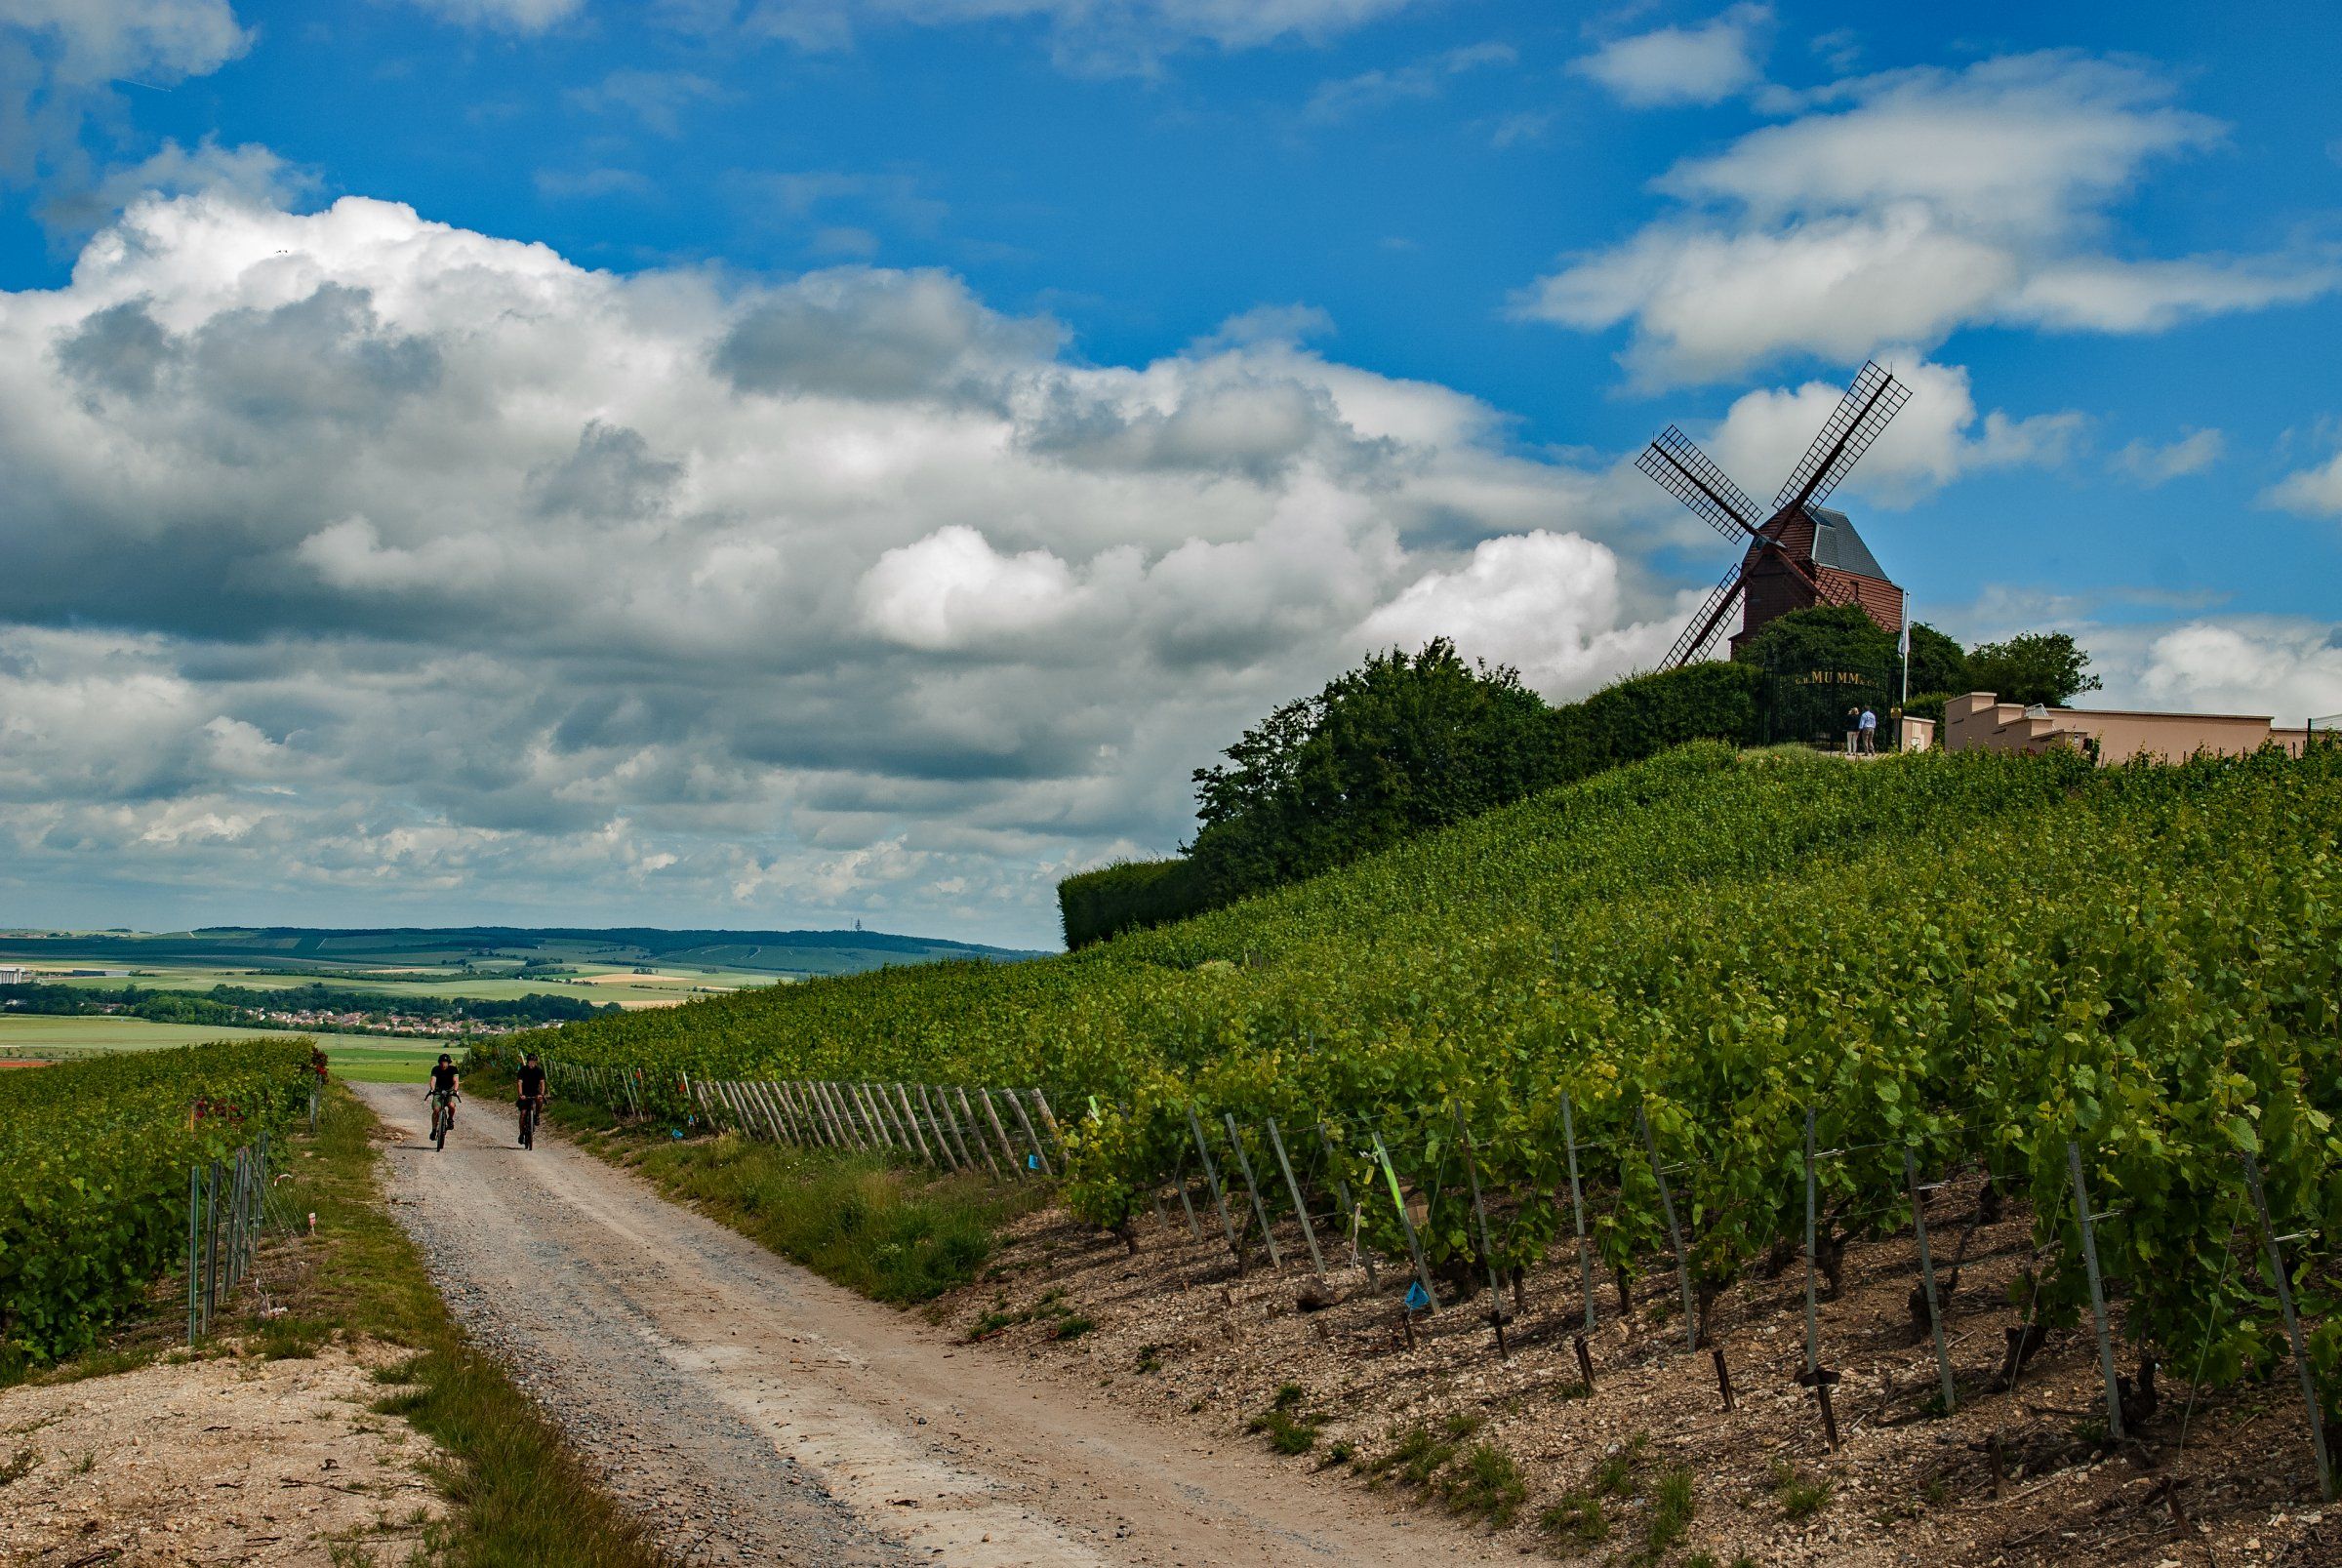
1905,653
1903,709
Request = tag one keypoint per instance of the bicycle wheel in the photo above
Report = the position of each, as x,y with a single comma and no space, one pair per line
439,1129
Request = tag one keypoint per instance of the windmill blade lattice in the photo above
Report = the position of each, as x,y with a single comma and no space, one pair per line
1700,632
1687,473
1875,398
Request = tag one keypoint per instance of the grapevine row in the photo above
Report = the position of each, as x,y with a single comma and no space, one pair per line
94,1162
1972,960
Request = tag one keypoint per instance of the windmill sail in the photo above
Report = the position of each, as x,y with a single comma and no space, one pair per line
1875,398
1699,631
1686,473
1801,553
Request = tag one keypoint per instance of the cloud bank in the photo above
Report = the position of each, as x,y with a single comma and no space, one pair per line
363,562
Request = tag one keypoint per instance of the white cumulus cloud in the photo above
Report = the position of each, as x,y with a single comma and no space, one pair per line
1900,207
1938,436
507,16
357,560
2314,492
2152,464
1702,65
1548,605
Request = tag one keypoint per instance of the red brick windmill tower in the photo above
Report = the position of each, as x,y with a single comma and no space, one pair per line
1804,553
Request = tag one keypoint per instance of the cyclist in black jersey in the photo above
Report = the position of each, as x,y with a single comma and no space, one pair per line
528,1094
445,1080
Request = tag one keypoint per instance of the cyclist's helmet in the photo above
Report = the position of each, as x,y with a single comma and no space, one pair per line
446,1059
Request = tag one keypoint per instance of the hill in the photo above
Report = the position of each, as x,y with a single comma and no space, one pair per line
1981,960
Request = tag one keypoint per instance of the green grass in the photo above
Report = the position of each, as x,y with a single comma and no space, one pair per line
370,1059
521,1496
1576,1517
1672,1503
892,1233
1486,1485
1418,1455
1800,1495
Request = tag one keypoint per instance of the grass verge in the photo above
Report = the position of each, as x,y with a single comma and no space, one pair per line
889,1231
521,1496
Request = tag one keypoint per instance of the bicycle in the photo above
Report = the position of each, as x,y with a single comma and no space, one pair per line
443,1116
531,1107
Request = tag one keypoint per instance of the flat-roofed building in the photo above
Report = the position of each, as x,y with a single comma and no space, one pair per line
1981,722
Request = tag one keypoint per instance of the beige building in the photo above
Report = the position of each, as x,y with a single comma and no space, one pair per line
1979,721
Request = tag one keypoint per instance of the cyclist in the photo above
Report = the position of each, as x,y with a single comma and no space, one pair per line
445,1081
528,1086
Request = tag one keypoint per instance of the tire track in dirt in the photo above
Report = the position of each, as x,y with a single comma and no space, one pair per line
756,1413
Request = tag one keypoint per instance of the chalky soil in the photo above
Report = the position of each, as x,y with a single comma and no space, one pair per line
754,1413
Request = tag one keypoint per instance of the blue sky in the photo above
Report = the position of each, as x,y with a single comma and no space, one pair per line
937,426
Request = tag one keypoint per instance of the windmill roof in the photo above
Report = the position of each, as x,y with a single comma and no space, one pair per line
1837,545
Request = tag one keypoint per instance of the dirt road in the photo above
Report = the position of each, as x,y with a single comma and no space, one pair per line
756,1413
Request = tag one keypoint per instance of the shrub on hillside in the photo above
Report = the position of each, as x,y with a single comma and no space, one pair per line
1095,904
1395,746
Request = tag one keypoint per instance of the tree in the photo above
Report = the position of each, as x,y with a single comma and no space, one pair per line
2031,667
1400,745
1826,637
1938,664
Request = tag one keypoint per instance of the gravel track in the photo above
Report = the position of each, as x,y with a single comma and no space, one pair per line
754,1413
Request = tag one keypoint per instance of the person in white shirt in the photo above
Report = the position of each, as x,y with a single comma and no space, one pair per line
1870,733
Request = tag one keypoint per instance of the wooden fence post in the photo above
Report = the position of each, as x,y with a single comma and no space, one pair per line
1025,1122
2285,1300
976,1127
991,1114
2090,1259
1935,1315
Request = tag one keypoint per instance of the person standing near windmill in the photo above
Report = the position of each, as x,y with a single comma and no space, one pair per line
1868,726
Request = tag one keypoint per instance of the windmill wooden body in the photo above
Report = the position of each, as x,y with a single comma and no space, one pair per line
1802,554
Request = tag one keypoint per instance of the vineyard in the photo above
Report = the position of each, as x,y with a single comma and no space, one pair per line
1638,1002
94,1162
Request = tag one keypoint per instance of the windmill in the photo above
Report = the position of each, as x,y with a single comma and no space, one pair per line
1804,553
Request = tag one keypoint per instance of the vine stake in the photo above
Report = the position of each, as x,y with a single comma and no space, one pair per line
1935,1317
2284,1301
2089,1258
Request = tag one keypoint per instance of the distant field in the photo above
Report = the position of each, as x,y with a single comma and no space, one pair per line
627,989
493,954
362,1056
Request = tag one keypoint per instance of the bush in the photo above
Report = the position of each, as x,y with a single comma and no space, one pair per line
1126,895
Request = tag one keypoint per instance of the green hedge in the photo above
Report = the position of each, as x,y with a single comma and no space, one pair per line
1643,716
1128,894
1630,721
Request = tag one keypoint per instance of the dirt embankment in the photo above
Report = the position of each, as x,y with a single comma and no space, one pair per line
2222,1479
228,1459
